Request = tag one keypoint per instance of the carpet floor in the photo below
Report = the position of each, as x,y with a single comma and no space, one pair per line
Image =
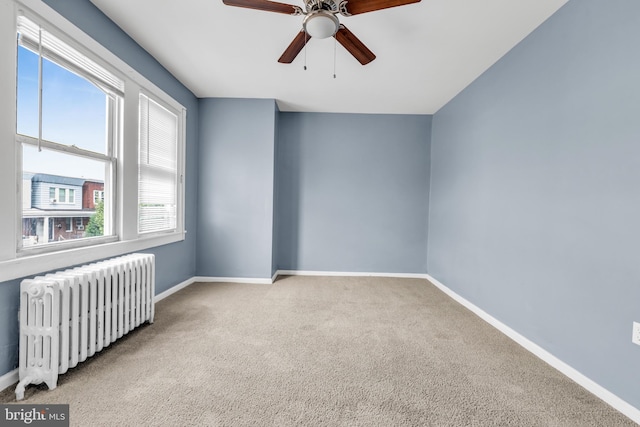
319,351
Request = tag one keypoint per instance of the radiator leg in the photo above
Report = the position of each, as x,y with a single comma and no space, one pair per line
21,385
52,384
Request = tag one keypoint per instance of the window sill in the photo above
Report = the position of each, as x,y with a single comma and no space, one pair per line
37,264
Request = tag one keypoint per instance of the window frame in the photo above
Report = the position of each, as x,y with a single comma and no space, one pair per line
180,165
108,158
14,263
99,199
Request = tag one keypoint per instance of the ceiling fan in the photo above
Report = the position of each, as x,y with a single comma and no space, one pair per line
320,21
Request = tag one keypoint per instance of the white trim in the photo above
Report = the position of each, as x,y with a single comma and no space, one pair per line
617,403
349,274
28,265
275,276
9,379
172,290
255,280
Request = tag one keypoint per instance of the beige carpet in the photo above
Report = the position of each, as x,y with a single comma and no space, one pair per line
319,351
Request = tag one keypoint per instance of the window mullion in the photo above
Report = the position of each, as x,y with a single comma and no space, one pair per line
112,205
128,164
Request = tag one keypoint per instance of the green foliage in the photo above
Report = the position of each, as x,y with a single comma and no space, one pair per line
95,227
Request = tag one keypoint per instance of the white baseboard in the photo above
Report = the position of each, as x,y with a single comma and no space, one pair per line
174,289
349,274
622,406
252,280
9,379
273,278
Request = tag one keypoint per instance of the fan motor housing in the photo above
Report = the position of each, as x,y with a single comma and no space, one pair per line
320,24
330,5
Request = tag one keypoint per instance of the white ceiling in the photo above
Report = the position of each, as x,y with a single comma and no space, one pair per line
426,52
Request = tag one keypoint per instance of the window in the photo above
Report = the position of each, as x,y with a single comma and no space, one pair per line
98,196
59,195
80,129
158,167
66,119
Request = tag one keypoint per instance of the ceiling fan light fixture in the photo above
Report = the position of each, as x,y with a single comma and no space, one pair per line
321,24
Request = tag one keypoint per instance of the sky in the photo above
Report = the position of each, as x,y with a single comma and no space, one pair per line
73,113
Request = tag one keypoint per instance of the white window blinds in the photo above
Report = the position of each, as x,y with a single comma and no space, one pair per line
157,167
40,41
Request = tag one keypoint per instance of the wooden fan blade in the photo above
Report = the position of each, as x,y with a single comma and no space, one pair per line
294,48
355,7
355,47
269,6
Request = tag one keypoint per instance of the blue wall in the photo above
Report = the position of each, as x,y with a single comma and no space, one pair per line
175,262
235,211
9,328
535,204
274,194
353,192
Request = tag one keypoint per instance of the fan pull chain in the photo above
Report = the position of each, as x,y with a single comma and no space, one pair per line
305,50
335,43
